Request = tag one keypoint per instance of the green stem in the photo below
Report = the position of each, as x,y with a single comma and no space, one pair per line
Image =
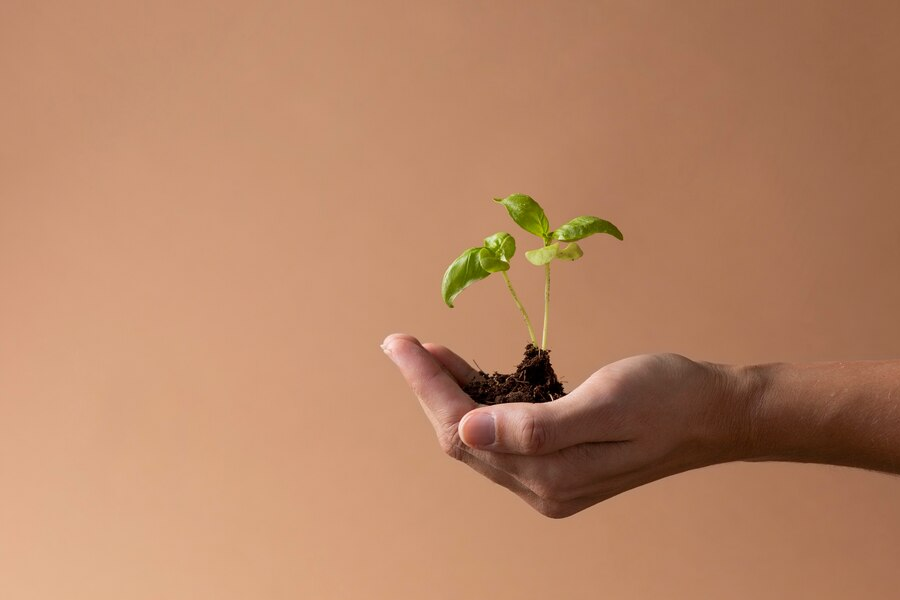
521,308
546,304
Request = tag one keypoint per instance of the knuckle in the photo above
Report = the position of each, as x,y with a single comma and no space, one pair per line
451,445
541,489
532,434
555,510
553,491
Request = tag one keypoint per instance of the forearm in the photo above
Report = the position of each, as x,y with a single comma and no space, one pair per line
841,413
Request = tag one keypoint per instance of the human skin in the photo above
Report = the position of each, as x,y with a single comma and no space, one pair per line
647,417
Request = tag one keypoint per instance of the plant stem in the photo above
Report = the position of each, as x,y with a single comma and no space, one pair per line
546,304
521,308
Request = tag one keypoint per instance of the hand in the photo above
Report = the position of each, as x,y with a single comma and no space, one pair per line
632,422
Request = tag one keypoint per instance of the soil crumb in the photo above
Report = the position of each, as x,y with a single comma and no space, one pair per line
533,381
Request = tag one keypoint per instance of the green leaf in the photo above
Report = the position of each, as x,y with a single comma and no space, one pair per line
581,227
542,256
462,272
527,213
501,245
571,252
491,263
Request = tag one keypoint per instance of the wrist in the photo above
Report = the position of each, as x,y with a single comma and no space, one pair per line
833,413
740,396
785,422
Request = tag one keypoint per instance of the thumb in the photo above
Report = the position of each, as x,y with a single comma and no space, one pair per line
522,428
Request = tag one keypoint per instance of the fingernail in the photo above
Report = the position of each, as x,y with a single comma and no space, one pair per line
387,350
478,430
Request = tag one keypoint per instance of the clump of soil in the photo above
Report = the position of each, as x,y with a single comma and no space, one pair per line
534,381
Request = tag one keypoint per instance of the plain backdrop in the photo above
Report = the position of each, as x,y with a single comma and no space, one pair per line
211,214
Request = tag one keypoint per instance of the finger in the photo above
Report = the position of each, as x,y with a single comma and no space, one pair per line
456,365
570,469
499,477
439,394
544,498
583,416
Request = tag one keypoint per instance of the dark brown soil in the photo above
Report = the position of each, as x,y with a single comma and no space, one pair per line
533,381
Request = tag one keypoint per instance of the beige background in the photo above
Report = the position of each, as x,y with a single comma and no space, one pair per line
211,213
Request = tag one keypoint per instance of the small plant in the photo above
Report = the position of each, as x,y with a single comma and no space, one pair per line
494,256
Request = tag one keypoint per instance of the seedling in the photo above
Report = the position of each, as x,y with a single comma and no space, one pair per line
494,256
